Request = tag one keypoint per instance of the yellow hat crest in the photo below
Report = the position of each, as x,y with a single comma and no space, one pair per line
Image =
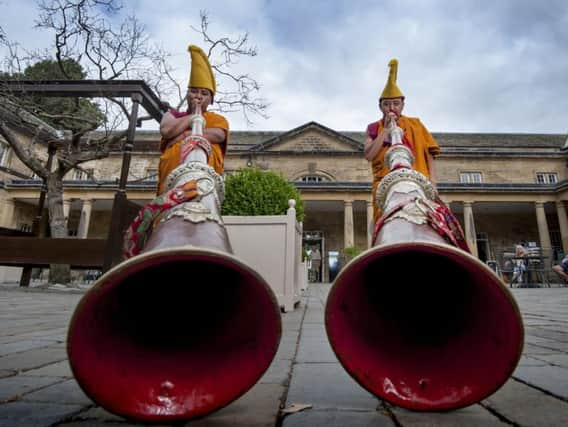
391,90
201,73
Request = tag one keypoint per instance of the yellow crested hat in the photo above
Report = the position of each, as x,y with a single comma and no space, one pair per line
391,90
201,73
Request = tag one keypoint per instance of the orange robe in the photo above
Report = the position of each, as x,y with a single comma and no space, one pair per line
422,142
170,158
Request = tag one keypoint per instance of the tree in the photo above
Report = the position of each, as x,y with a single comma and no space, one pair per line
90,42
74,114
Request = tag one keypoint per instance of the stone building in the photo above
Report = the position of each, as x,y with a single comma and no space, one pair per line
504,188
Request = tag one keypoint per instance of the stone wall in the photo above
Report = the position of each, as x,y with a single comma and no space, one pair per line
499,171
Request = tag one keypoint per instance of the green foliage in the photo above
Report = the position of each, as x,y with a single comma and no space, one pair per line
48,69
351,252
254,192
74,114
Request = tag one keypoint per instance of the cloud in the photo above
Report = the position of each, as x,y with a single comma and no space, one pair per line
465,66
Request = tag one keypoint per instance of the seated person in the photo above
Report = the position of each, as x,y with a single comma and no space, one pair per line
562,269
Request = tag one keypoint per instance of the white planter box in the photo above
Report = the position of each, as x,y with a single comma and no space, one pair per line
272,245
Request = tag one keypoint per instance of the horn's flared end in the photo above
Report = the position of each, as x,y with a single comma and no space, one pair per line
424,326
173,334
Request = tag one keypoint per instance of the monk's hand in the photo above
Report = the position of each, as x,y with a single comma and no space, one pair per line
390,120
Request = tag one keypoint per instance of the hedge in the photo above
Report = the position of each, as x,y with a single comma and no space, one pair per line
252,192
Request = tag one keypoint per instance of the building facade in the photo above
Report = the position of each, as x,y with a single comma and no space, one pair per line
504,188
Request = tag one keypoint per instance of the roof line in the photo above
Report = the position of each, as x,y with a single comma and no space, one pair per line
278,138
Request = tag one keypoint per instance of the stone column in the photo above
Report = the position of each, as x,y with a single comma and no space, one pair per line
8,214
85,219
349,239
563,222
66,209
370,224
543,233
469,227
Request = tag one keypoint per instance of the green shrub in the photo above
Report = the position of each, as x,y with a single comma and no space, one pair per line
351,252
254,192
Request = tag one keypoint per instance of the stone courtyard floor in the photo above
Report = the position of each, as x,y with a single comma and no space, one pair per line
38,389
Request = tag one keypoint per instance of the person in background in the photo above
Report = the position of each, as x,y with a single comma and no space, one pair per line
562,269
316,264
519,265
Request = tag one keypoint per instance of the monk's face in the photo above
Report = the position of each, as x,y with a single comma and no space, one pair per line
199,95
391,106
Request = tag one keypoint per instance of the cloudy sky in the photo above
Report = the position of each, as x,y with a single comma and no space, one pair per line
465,66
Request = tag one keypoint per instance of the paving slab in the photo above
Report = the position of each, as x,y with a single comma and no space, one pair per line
32,359
536,408
67,391
314,330
536,350
98,423
257,408
287,348
13,388
560,359
315,351
532,361
58,369
20,346
7,373
33,414
328,386
278,373
96,414
335,418
553,379
472,416
550,334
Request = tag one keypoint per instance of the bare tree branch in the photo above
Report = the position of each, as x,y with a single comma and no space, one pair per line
21,149
240,90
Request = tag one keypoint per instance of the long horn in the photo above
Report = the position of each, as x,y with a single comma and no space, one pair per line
416,320
183,328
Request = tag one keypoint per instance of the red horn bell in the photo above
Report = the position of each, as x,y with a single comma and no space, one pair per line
424,326
148,342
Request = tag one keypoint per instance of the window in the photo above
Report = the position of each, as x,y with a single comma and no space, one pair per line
546,177
471,178
313,178
3,154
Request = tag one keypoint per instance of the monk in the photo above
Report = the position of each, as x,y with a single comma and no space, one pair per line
176,125
416,137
